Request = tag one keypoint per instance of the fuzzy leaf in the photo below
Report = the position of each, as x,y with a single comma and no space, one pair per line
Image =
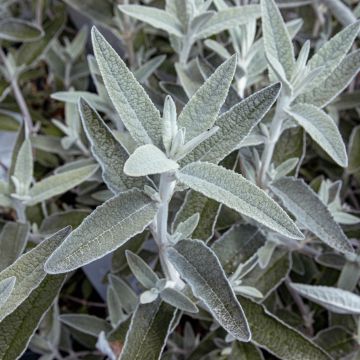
187,227
150,326
193,259
178,300
311,212
354,151
228,19
208,209
124,292
104,230
276,37
23,171
145,70
322,129
13,29
6,288
110,154
87,324
29,271
237,245
134,106
336,300
148,160
157,18
335,83
278,338
59,183
17,329
200,113
334,50
141,270
234,126
239,194
13,239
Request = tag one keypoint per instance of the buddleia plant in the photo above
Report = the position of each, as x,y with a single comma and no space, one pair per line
172,154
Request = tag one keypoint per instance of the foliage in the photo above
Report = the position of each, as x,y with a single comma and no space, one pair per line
183,182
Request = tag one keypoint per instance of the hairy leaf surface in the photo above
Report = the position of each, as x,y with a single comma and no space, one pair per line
239,194
104,230
336,300
322,129
17,328
148,160
29,271
311,212
149,329
200,113
134,106
193,259
110,154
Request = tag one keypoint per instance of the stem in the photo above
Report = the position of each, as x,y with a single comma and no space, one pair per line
12,78
166,188
20,209
275,132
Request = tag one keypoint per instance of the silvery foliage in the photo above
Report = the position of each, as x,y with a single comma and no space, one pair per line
189,197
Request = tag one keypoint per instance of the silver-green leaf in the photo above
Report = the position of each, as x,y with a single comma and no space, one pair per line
59,183
322,129
149,329
200,113
336,300
104,230
157,18
148,160
234,125
236,192
107,150
193,259
17,329
276,37
29,271
134,106
311,212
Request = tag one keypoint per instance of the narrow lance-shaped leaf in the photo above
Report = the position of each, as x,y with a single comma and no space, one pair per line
334,50
134,106
178,300
193,259
278,338
23,171
239,194
234,126
29,271
311,212
157,18
110,154
337,81
17,329
276,36
59,183
149,329
87,324
228,19
13,29
322,129
336,300
13,239
104,230
200,113
148,160
6,287
141,270
145,70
